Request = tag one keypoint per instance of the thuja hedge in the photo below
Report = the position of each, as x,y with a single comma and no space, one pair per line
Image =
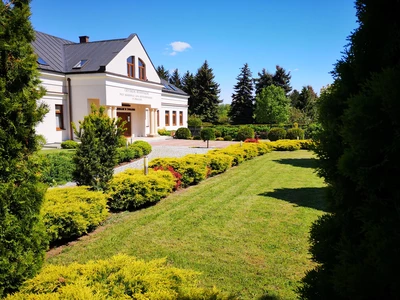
290,145
120,277
73,211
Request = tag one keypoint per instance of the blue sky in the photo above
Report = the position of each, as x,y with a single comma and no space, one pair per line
305,37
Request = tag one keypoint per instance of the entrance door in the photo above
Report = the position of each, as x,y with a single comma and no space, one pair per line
126,117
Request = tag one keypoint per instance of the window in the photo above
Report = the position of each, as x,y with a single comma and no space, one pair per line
142,70
42,62
131,66
181,118
59,117
167,118
158,118
80,64
174,118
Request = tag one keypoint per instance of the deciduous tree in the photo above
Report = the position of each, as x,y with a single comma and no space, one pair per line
272,106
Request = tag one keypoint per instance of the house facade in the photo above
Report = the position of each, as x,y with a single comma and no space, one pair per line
117,74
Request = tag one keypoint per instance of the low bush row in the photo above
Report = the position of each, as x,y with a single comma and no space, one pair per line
119,277
290,145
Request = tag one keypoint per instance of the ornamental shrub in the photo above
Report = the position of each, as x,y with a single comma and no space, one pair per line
121,141
164,132
194,121
285,145
132,189
218,163
219,139
70,144
126,154
245,132
295,133
73,211
227,138
250,150
207,134
217,133
183,133
276,133
197,137
146,147
119,277
56,167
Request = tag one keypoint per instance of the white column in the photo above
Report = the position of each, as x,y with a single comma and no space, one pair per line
155,122
151,121
114,112
109,111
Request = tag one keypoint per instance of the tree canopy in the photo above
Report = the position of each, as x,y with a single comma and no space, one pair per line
272,106
162,72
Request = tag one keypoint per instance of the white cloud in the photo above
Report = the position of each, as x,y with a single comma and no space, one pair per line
179,47
295,70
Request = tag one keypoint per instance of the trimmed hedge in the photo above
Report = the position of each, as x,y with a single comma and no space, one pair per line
132,189
56,167
218,163
70,144
290,145
244,133
126,154
71,212
119,277
183,133
295,133
146,147
276,134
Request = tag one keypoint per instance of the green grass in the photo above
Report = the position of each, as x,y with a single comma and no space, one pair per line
245,230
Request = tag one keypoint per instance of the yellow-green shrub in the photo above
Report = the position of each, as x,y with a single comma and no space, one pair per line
164,162
237,154
306,144
250,150
285,145
120,277
219,163
262,148
73,211
132,189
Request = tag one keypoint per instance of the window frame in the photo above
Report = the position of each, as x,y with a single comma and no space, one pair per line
167,118
59,114
174,118
142,69
130,67
180,118
158,118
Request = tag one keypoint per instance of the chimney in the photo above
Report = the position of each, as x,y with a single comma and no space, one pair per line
83,39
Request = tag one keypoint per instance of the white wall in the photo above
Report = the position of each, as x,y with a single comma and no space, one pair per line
134,48
171,103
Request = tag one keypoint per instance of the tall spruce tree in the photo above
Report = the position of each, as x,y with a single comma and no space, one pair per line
188,86
206,99
242,107
356,246
265,79
22,238
162,72
282,79
175,79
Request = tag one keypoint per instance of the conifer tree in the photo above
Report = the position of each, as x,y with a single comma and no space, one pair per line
356,245
265,79
188,86
206,98
22,237
162,72
282,79
175,79
242,107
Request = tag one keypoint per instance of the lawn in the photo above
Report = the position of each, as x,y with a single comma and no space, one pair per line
245,230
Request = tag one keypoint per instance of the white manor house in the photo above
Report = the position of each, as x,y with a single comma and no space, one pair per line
117,74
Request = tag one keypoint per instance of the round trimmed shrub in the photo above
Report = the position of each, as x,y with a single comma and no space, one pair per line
217,133
70,144
295,133
183,133
245,132
276,134
145,146
194,121
207,134
227,138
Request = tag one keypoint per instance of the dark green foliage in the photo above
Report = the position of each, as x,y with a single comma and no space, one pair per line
96,155
265,79
205,97
227,138
282,79
162,72
272,106
56,168
242,107
207,134
295,134
126,154
223,112
312,131
217,133
245,132
146,147
22,237
197,137
122,141
69,144
276,134
294,98
183,133
194,121
175,79
356,247
189,87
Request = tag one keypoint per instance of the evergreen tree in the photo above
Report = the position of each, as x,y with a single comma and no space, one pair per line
294,98
22,237
282,79
188,86
175,79
265,79
206,99
272,106
242,107
162,72
356,246
96,155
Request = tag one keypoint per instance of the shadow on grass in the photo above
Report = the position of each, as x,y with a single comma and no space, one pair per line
299,162
268,297
306,197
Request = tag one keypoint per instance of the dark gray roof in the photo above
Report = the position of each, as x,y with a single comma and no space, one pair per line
169,87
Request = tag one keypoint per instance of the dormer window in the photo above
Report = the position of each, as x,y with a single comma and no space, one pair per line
142,70
80,64
131,66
